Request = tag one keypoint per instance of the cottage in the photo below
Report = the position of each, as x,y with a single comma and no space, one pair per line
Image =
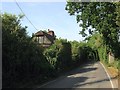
44,38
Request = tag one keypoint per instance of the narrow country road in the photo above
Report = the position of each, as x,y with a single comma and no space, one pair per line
91,75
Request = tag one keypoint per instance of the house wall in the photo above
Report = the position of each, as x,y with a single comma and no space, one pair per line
46,40
42,40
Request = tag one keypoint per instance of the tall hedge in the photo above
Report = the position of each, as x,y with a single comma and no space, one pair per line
59,55
22,59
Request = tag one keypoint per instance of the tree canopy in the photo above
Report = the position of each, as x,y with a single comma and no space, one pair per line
102,16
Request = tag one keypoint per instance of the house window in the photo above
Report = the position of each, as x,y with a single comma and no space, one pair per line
46,40
41,40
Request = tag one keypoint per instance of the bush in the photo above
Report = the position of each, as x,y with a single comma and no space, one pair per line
81,53
64,59
59,55
22,59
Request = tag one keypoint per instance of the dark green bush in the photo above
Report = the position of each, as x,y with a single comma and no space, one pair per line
22,59
59,55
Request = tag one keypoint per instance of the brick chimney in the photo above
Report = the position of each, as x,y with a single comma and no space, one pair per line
50,32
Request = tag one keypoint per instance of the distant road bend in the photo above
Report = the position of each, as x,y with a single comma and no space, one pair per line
91,75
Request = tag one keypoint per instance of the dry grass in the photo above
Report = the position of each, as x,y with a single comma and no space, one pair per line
113,72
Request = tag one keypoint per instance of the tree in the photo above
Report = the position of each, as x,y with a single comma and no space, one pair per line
118,13
99,15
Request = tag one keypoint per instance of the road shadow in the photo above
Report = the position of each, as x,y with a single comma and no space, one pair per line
75,81
71,78
68,82
82,69
89,83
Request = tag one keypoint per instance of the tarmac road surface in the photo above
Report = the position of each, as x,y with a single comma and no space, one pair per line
91,75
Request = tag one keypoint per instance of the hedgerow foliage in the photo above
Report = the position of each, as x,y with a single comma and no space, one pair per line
24,61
